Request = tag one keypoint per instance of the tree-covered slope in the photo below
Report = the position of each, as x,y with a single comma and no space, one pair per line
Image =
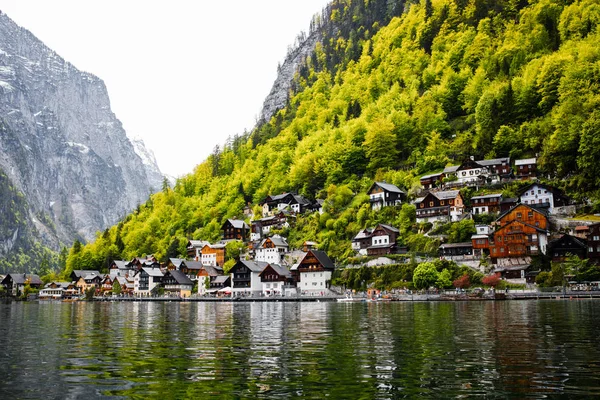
444,80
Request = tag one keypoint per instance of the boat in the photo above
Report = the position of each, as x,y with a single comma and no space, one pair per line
350,299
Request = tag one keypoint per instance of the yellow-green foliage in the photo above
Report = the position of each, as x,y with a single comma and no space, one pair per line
442,81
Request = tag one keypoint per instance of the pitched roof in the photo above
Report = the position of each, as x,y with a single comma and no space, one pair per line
20,279
221,279
323,259
238,224
487,196
213,271
505,213
431,176
277,241
82,272
177,262
193,265
363,234
389,228
456,245
121,264
448,194
180,278
280,270
451,168
494,161
153,271
388,187
526,161
254,266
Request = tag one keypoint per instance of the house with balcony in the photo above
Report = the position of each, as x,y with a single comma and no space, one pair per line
286,201
176,283
377,241
245,279
235,229
383,194
263,227
213,255
15,283
194,249
478,173
566,245
432,181
456,249
593,243
314,272
486,204
443,206
272,250
147,280
526,168
276,279
208,279
543,196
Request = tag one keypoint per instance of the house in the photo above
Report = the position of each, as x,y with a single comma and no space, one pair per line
245,277
136,264
147,280
191,269
92,280
120,268
194,249
456,249
443,206
432,181
581,231
593,243
286,201
377,241
76,274
175,264
106,285
127,286
177,283
220,282
207,278
383,194
526,168
314,272
480,244
516,269
15,283
272,250
544,196
235,229
213,254
523,231
53,291
508,203
362,241
481,172
486,204
275,279
566,245
263,227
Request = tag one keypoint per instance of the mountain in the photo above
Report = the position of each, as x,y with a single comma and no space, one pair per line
62,150
393,90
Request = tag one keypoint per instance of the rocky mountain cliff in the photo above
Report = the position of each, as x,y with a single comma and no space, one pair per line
62,147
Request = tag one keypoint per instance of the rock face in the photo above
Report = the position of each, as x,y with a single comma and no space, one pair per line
278,96
61,145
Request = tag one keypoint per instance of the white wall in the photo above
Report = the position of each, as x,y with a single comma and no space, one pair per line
314,281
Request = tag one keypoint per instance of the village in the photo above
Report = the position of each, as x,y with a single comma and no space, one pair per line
521,228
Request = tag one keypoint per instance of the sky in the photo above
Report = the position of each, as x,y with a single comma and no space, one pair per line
181,74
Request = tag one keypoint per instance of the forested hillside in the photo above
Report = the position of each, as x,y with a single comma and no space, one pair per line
396,90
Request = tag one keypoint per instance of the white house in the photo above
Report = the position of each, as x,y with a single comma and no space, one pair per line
272,250
543,196
146,280
315,271
245,277
383,194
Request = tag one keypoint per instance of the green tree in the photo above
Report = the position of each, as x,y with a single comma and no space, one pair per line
444,279
380,145
425,275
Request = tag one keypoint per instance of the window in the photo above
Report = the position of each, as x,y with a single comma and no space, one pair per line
596,238
501,249
520,167
431,204
530,214
422,205
442,203
590,249
471,172
519,215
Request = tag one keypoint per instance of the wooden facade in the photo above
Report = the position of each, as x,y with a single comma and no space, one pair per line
214,253
526,168
440,206
432,181
561,248
593,243
487,204
383,194
235,230
517,239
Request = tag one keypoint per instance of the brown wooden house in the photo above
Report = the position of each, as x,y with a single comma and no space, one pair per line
432,181
566,245
213,254
486,204
593,243
526,168
235,229
440,206
383,194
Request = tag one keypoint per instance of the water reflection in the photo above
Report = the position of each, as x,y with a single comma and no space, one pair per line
307,350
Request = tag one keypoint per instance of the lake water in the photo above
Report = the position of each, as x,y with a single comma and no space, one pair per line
528,349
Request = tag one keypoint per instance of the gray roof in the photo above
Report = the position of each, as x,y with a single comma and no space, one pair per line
431,176
180,277
277,241
363,234
456,245
389,228
153,271
526,161
81,272
198,243
494,161
213,271
323,259
193,265
449,194
282,271
254,266
177,262
238,224
487,196
452,168
20,279
121,264
221,279
388,187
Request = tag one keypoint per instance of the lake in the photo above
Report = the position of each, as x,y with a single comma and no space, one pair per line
510,349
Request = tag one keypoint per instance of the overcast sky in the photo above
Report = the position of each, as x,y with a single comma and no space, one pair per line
182,74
